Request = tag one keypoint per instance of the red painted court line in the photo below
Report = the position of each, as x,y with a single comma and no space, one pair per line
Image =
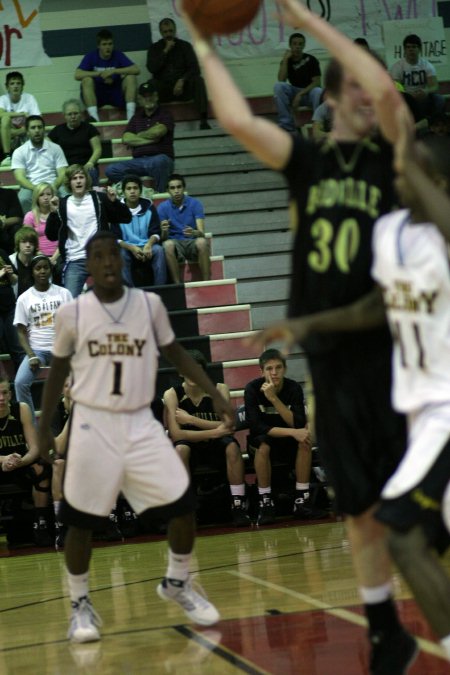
315,643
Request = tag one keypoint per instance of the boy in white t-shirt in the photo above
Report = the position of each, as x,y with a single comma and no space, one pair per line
15,106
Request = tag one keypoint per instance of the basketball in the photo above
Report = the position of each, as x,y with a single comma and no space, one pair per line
221,17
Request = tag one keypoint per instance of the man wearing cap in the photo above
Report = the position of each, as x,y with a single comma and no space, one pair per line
149,134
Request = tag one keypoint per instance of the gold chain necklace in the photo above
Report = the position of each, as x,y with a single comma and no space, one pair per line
344,165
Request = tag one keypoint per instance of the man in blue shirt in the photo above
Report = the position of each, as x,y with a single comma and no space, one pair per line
141,238
108,77
182,225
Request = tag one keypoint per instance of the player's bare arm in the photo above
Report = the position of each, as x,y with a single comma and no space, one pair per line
264,139
30,434
364,314
59,370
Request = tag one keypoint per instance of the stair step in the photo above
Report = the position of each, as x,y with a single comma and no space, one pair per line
210,320
228,346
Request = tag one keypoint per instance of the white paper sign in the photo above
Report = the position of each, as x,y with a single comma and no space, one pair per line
431,32
20,34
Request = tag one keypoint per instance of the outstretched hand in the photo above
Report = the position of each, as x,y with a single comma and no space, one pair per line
224,409
286,332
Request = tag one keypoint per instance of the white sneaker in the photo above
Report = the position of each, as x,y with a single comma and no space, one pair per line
195,606
84,623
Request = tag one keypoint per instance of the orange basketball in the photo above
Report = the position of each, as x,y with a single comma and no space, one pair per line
221,17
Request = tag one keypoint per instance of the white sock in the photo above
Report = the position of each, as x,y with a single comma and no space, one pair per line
265,491
445,642
302,486
78,585
375,594
56,506
93,112
238,490
178,567
131,109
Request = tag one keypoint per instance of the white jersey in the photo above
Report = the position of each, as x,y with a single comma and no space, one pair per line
411,265
113,348
36,310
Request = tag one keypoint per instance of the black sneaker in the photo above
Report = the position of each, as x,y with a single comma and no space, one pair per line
303,510
204,125
60,536
392,653
41,535
111,531
266,515
128,524
239,513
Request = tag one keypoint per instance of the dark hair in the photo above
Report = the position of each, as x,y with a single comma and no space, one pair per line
412,39
296,35
270,354
131,179
167,19
104,34
198,357
33,118
14,75
100,235
26,234
74,169
362,42
37,259
334,76
176,176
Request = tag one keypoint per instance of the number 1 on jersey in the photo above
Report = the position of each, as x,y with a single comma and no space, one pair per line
117,379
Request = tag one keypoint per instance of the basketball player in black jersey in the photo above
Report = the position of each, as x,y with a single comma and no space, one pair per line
19,457
338,189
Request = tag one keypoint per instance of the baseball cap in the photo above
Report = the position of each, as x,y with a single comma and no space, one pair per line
147,88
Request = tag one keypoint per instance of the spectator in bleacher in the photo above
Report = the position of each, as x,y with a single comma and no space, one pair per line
140,242
11,216
27,246
35,321
149,134
200,437
19,459
108,77
73,219
275,413
8,333
37,161
174,66
418,77
37,219
183,229
15,107
303,75
79,140
439,125
322,120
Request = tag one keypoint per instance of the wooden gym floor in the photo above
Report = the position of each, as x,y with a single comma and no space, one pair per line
286,594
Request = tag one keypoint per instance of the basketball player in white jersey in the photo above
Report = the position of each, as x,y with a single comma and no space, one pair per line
412,268
110,339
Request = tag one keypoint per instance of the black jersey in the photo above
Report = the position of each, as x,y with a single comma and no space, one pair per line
12,438
338,190
262,416
204,410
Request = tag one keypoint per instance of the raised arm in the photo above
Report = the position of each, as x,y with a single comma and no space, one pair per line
262,138
365,69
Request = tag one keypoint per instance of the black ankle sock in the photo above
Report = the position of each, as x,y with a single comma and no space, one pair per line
382,616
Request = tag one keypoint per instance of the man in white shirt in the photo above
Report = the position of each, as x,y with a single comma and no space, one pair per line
15,106
37,161
418,77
